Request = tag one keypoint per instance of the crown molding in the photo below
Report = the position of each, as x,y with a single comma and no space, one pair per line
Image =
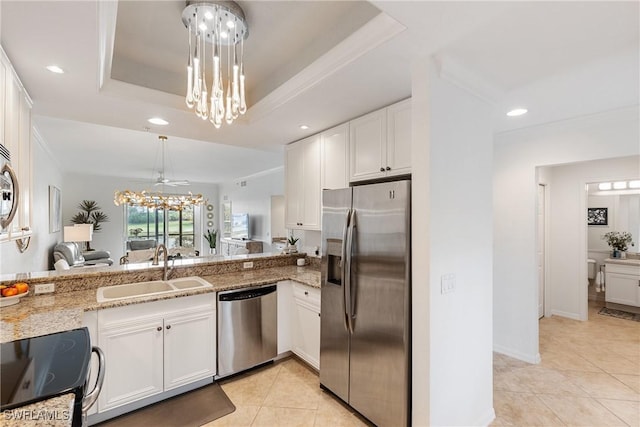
454,72
375,32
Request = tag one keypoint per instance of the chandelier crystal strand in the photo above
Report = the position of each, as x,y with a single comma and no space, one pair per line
204,113
216,22
243,103
189,97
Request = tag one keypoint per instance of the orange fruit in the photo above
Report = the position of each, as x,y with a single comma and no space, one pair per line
9,292
22,287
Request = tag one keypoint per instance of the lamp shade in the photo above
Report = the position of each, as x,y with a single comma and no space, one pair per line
78,233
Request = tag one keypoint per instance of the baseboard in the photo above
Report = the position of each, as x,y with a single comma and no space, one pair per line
535,359
487,419
568,315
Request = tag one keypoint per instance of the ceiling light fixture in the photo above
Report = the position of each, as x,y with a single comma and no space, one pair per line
634,184
604,186
517,112
158,121
55,69
223,104
620,185
159,200
304,127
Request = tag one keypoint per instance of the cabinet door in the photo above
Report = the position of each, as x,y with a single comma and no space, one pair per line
335,157
285,316
189,347
3,83
294,157
368,146
622,289
24,164
133,353
399,138
311,194
305,340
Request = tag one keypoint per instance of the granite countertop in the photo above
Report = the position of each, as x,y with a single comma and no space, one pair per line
49,313
57,411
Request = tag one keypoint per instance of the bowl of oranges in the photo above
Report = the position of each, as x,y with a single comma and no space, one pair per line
11,294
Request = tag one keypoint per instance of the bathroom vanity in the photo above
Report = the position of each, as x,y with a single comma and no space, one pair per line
622,279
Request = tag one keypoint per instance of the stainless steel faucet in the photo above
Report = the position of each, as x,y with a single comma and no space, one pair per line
156,254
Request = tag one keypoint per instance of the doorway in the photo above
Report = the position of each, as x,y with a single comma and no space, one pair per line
540,243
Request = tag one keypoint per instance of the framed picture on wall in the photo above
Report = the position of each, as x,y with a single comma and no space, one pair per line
598,216
55,216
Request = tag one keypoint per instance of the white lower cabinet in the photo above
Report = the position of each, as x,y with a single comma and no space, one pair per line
305,324
623,284
155,347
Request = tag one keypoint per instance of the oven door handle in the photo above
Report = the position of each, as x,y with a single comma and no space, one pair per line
90,399
4,223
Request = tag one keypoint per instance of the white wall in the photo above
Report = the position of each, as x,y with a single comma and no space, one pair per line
78,187
567,246
452,234
39,254
516,156
254,199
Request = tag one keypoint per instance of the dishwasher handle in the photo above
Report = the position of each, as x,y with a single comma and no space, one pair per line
247,294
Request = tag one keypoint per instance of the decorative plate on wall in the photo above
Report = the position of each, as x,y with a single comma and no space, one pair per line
209,223
210,215
209,207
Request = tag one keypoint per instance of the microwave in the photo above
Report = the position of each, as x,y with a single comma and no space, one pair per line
9,190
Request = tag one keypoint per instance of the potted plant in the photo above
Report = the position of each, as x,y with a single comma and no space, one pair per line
212,238
291,244
619,241
90,214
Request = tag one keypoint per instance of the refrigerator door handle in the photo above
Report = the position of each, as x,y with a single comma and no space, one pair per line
343,271
350,300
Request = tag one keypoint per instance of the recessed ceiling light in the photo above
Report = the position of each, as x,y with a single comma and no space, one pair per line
517,112
634,184
158,121
620,185
304,127
55,69
604,186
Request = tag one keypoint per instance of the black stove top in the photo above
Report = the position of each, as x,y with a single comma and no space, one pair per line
39,368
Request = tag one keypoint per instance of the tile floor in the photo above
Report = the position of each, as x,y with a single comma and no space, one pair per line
286,393
589,376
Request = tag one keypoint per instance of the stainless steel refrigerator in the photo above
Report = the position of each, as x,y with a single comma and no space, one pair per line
365,347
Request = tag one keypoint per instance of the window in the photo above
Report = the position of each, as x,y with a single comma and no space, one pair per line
149,223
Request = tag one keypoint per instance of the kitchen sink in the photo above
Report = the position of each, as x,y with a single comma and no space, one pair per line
156,287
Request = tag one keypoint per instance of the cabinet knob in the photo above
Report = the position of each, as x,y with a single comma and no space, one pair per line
388,168
381,169
159,328
306,292
168,326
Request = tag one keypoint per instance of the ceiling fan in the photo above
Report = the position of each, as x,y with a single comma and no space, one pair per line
162,179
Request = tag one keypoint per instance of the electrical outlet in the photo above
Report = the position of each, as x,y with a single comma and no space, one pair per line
44,288
248,264
447,283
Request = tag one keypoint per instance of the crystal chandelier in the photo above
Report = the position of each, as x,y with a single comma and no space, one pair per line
158,200
219,23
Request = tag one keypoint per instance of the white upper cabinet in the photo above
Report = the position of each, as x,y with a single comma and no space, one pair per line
15,135
380,143
335,157
399,138
302,184
368,146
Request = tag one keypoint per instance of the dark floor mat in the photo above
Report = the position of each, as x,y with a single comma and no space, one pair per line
619,314
191,409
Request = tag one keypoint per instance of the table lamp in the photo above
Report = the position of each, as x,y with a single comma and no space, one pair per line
79,233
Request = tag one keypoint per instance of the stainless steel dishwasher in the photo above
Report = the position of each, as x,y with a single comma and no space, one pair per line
247,328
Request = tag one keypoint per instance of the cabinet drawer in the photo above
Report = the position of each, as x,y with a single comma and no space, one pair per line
308,296
623,269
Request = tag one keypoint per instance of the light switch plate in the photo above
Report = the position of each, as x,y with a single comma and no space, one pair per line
447,283
44,288
248,264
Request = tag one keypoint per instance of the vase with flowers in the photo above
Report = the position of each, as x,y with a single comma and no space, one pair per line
619,242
